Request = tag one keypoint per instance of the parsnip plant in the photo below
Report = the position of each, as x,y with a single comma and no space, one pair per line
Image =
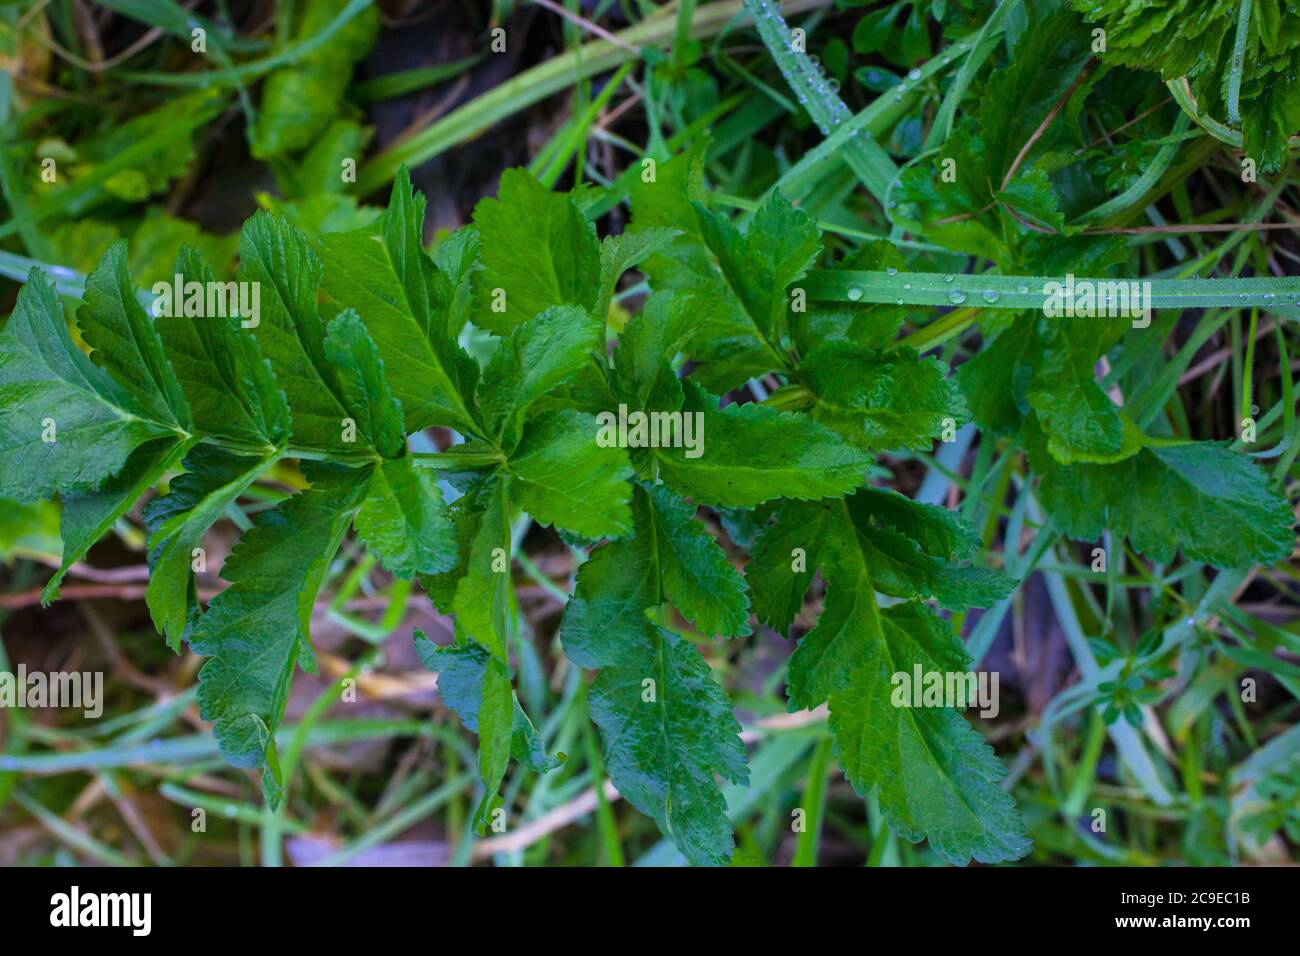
625,436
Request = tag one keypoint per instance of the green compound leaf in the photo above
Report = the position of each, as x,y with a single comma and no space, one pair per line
230,386
539,250
177,521
562,476
666,723
893,400
1211,503
751,454
116,326
461,669
935,776
66,425
256,631
384,274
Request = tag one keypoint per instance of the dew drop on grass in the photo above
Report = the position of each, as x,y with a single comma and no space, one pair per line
891,271
956,296
914,75
1023,288
947,278
855,293
990,296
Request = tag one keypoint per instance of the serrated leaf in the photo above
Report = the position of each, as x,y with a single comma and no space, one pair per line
540,355
457,256
1211,503
622,252
665,740
119,330
362,387
461,670
86,518
538,248
477,589
783,561
562,476
384,274
668,750
43,375
256,630
643,376
230,386
779,246
752,454
935,776
290,332
403,522
1064,392
694,571
886,401
851,653
177,521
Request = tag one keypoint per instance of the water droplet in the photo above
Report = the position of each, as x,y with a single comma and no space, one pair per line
900,301
947,278
956,297
907,285
990,296
1023,288
914,75
891,271
854,293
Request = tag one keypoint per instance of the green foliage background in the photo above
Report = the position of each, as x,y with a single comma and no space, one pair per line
824,230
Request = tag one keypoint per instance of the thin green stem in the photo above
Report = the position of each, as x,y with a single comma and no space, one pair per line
543,80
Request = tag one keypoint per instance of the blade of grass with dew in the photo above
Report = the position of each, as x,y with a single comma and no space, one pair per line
873,166
1030,292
